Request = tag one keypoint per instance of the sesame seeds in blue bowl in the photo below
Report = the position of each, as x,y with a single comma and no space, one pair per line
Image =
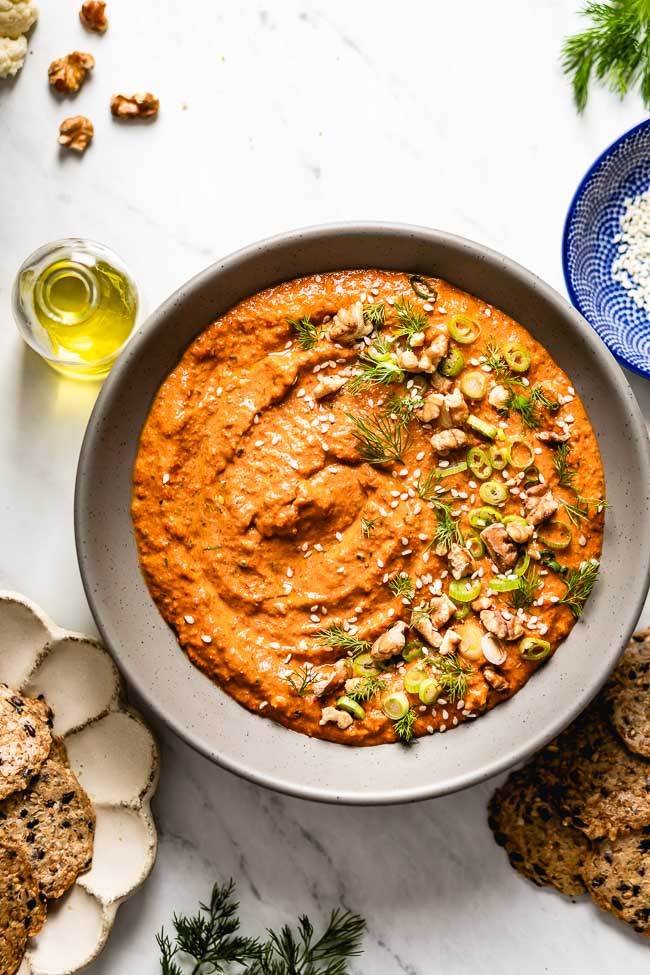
606,248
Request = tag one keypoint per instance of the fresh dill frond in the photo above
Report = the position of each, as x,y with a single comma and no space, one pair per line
614,49
451,675
336,636
548,559
410,319
367,526
428,488
447,531
208,942
381,439
524,596
579,584
402,407
378,367
565,473
402,585
375,314
579,509
527,406
366,689
494,359
539,396
404,726
307,332
301,680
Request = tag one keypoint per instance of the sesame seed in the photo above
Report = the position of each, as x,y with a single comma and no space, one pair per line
219,390
189,619
205,638
165,478
338,536
314,618
258,443
289,571
404,472
394,504
420,455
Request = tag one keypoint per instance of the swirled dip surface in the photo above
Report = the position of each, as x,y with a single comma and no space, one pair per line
281,546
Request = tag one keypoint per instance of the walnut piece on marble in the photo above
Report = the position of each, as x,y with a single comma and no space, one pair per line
93,16
68,74
76,133
141,105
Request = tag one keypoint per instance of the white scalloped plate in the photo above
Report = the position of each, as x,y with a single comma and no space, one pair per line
115,758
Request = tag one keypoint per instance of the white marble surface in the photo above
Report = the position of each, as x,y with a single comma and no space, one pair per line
453,115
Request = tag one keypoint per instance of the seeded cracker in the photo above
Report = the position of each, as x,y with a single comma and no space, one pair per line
25,739
538,844
21,910
53,823
597,785
58,752
627,695
617,875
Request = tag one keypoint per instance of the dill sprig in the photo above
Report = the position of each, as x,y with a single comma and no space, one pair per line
336,636
367,526
381,439
402,407
614,49
451,675
524,596
447,531
404,726
495,359
565,473
301,680
579,583
527,406
366,689
378,367
208,943
579,509
410,320
375,315
402,585
307,332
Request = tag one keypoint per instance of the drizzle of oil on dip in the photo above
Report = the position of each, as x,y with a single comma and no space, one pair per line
272,547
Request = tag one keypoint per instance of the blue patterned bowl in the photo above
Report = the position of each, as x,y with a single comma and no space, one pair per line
588,248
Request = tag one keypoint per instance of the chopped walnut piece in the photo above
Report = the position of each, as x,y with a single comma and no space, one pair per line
450,642
340,718
421,622
327,385
93,15
553,436
141,105
76,133
501,548
390,642
448,440
454,410
431,406
332,679
481,603
504,627
519,532
349,325
460,561
498,397
495,679
68,74
540,509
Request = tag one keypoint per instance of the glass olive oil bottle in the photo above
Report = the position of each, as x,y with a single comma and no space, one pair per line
76,304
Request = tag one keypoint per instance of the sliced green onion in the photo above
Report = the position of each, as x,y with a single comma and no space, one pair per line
463,329
499,455
365,666
482,517
503,584
557,535
413,678
521,446
510,518
475,547
517,356
473,385
395,705
412,650
452,364
462,611
532,475
479,463
352,707
532,648
481,426
464,590
429,690
454,469
493,492
419,284
521,564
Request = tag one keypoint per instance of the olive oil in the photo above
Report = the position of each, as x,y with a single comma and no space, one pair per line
77,306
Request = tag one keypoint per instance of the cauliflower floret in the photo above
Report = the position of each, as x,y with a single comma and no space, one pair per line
12,55
16,17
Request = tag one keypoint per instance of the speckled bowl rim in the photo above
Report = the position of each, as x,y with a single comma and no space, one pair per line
573,206
483,261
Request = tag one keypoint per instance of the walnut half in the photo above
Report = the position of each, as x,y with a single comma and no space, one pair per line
69,73
93,15
76,133
140,105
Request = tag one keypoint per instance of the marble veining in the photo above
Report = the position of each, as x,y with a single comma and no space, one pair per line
277,116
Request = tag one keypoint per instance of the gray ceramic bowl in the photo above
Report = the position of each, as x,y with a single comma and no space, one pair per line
261,750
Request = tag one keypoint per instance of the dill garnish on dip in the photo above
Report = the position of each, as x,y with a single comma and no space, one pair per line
377,497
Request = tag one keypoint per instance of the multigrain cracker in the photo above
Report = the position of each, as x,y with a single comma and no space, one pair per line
58,752
53,823
532,833
25,738
598,786
627,695
21,909
617,875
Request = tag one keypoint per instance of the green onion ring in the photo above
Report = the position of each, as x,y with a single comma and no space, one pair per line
464,590
479,463
493,492
473,385
416,280
520,442
532,648
429,690
565,535
463,329
517,357
452,364
395,705
482,517
352,707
